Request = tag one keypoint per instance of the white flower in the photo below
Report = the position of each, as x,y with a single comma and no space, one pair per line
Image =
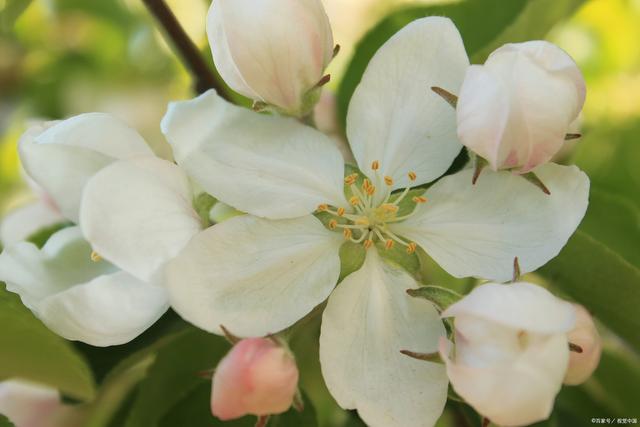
583,362
273,51
511,351
515,110
77,284
260,273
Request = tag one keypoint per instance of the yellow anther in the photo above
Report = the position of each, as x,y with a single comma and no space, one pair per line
347,233
375,165
388,244
388,180
95,257
419,199
389,207
411,248
371,190
354,200
333,224
363,220
366,184
412,176
368,243
351,179
323,207
340,211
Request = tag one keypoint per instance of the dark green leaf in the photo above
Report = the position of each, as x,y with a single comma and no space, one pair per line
31,351
174,374
535,21
4,422
594,275
479,22
10,12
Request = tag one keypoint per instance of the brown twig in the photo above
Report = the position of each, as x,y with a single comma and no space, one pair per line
204,78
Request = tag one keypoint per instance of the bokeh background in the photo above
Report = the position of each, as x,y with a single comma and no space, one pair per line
59,58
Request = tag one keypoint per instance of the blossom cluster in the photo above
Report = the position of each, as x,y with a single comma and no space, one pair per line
133,240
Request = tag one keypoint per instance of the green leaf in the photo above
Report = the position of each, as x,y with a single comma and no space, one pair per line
4,422
31,351
174,375
476,32
441,297
596,276
351,258
11,12
615,222
537,18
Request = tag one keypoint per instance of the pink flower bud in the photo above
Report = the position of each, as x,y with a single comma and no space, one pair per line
29,405
585,335
515,110
273,51
256,377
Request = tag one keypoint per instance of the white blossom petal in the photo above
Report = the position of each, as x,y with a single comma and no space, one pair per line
268,166
477,230
368,320
20,223
519,305
63,156
394,117
138,214
254,276
515,393
77,298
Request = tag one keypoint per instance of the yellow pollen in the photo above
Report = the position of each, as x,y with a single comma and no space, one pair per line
351,179
333,224
388,180
347,233
419,199
95,257
340,211
389,207
363,220
354,200
411,248
368,243
366,184
323,207
375,165
371,190
388,244
412,176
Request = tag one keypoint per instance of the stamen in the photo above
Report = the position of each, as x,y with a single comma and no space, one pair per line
412,176
363,220
323,207
368,243
347,233
375,165
355,201
95,257
388,244
371,190
419,199
411,248
340,211
333,224
389,207
388,180
351,179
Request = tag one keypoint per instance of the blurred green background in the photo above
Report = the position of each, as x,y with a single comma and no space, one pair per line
63,57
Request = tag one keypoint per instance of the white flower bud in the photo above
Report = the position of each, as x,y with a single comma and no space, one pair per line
586,337
515,110
511,351
273,51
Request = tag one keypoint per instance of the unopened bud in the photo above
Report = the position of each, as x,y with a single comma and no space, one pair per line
273,51
256,377
586,337
515,110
